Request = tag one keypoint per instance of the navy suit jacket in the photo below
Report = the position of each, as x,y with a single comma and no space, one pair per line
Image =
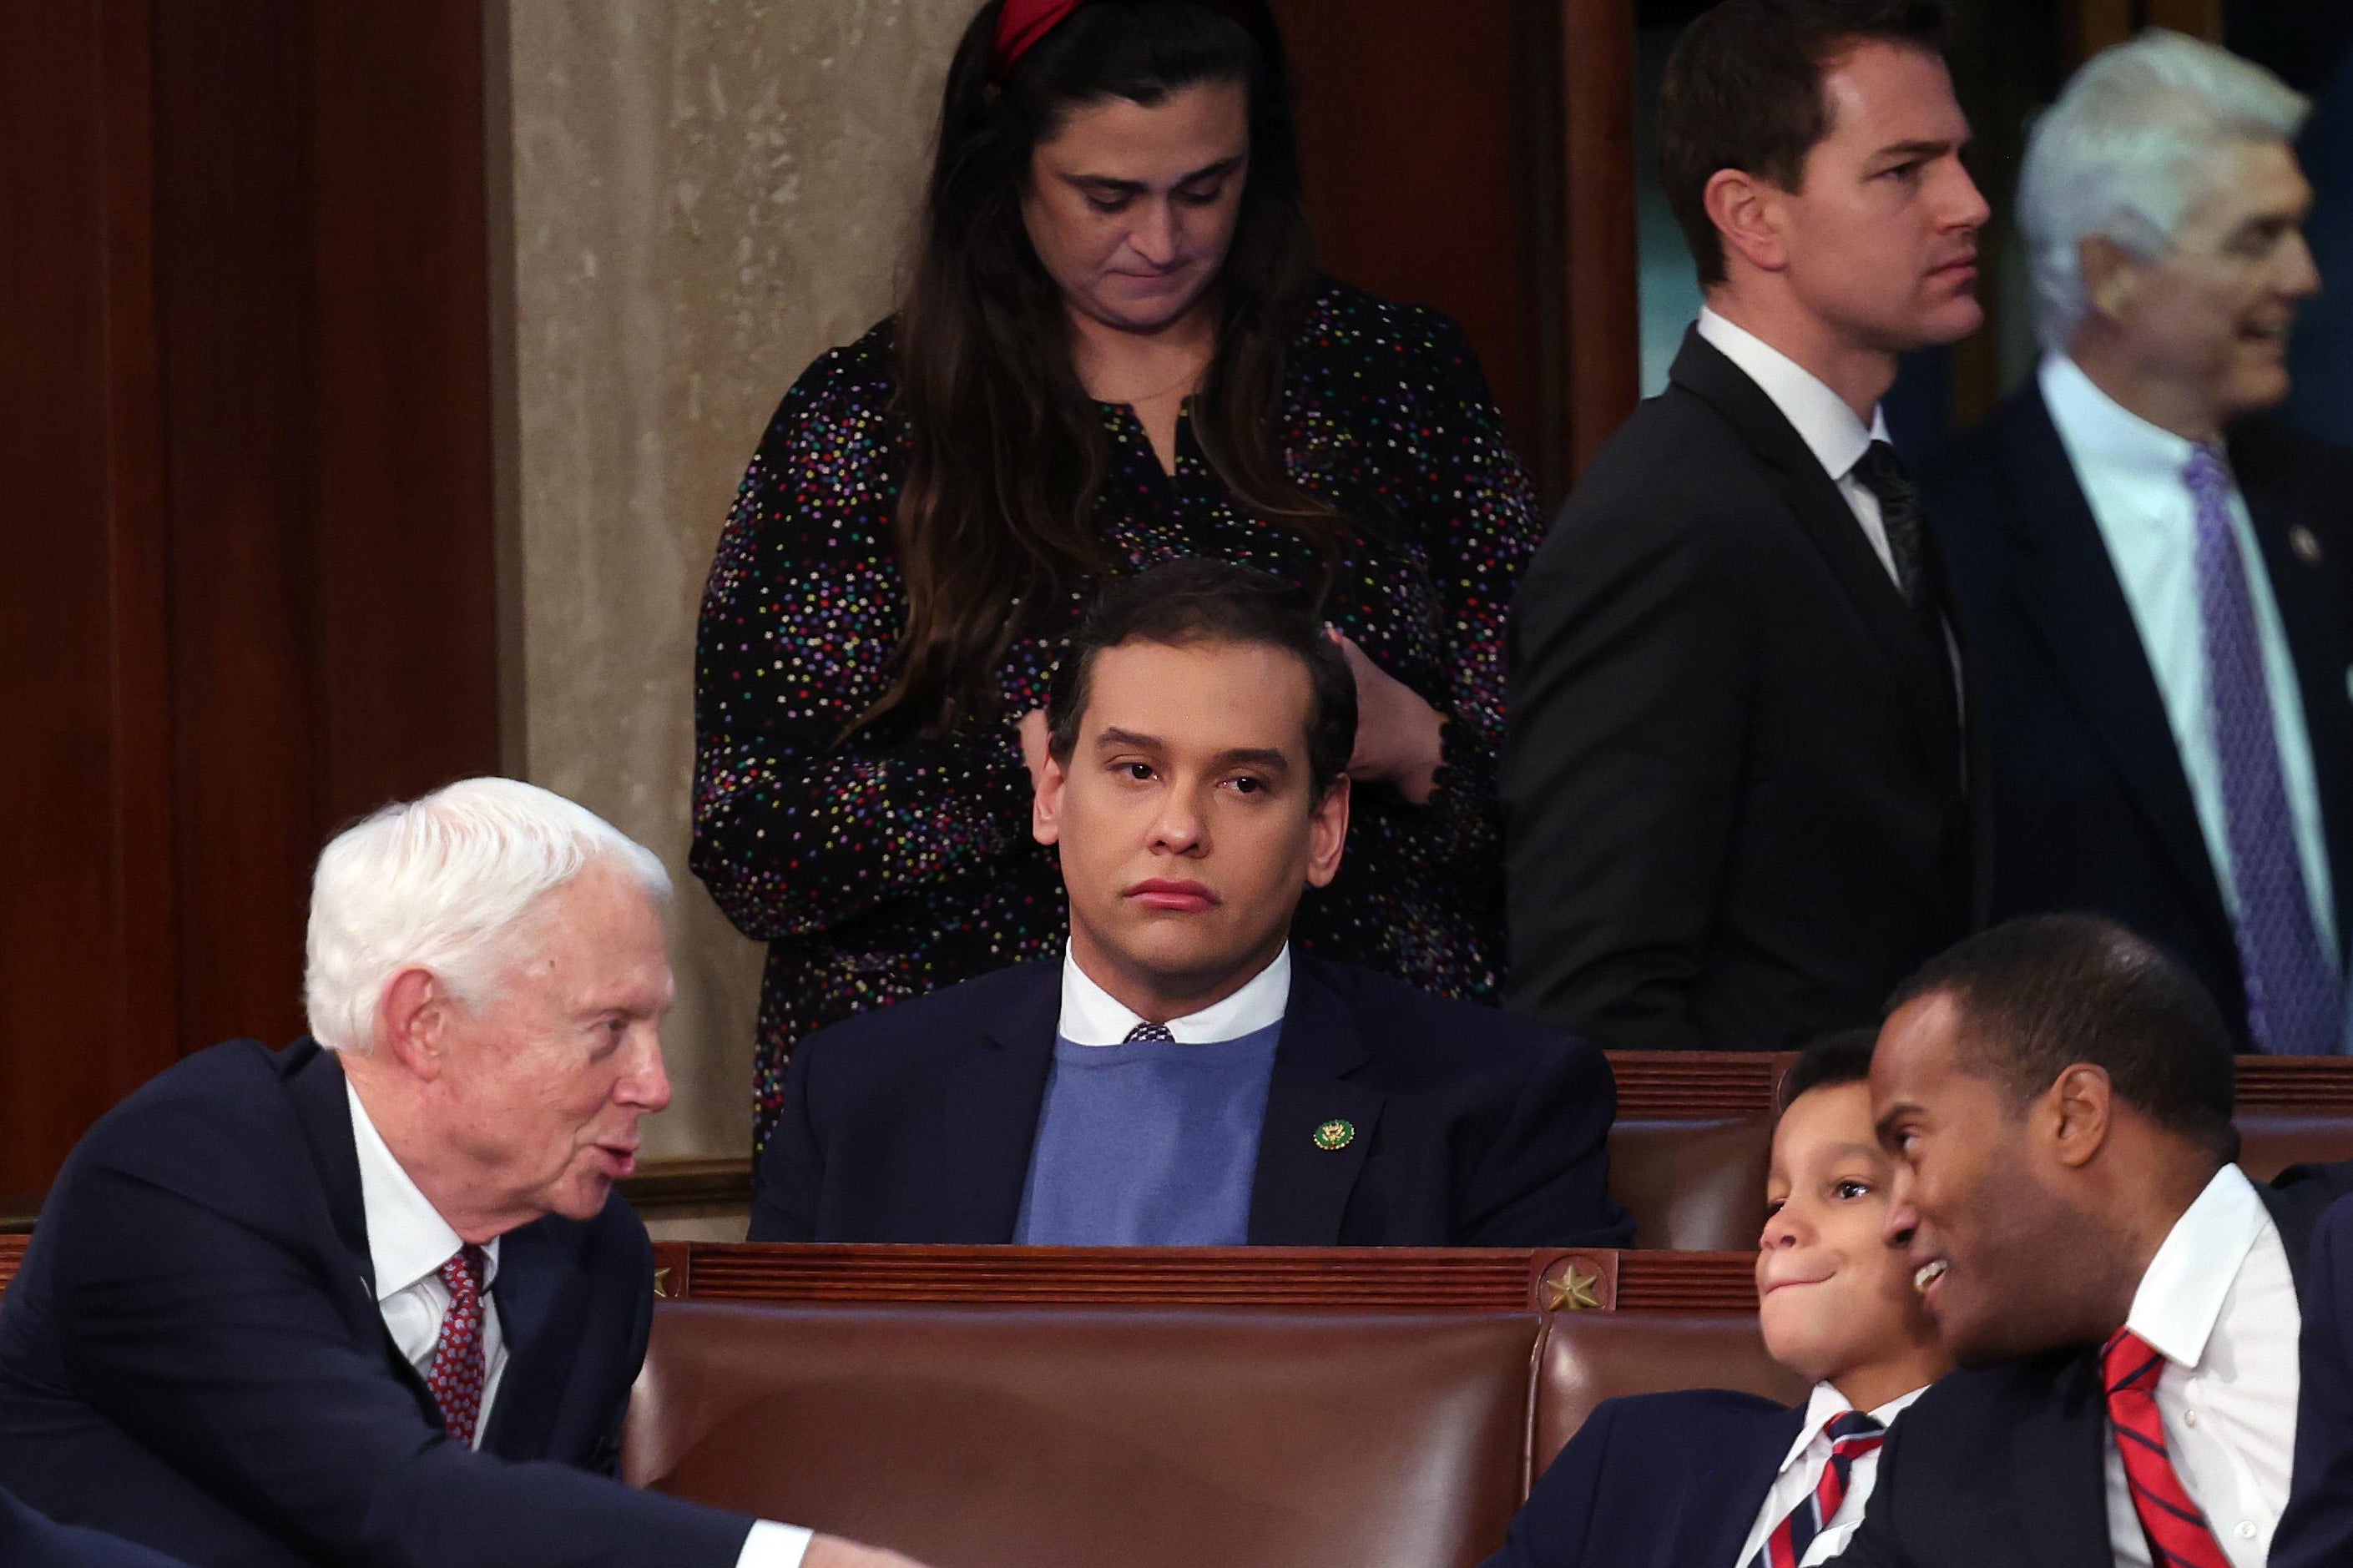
2316,1531
28,1540
192,1356
2009,1464
1660,1481
914,1122
2090,805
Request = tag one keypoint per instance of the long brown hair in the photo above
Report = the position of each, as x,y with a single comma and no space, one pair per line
993,525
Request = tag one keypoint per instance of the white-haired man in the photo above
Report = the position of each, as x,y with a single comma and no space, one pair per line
2157,584
369,1299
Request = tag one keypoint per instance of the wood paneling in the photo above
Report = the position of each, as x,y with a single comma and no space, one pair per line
245,415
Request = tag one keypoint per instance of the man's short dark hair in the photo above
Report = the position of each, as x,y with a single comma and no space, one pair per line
1744,90
1827,1062
2038,995
1198,599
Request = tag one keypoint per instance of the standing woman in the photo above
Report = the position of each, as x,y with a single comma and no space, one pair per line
1114,349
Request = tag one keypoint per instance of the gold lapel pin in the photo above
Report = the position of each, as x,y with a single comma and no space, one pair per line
1336,1133
2305,543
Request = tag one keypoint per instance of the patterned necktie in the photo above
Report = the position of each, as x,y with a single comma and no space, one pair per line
2178,1535
1882,473
1150,1031
456,1371
1852,1436
2293,998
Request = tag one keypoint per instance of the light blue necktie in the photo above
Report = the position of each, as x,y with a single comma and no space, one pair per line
2294,1003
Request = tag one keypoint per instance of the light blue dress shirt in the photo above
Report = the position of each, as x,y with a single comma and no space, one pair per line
2131,473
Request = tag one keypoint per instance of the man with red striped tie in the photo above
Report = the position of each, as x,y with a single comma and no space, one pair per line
2123,1300
1710,1479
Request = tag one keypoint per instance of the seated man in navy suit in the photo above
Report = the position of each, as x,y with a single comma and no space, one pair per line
1707,1478
1184,1077
370,1300
2122,1298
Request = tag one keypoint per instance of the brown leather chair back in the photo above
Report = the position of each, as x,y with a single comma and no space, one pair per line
1018,1439
1587,1357
2272,1141
1692,1186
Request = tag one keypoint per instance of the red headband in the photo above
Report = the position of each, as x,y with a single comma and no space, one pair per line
1023,22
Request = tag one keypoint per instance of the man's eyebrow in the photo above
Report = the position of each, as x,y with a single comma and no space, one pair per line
1904,151
1255,757
1893,1114
1106,183
1116,738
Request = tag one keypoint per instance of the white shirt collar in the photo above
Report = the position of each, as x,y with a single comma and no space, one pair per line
1822,417
1093,1016
2102,433
1828,1403
2181,1298
408,1237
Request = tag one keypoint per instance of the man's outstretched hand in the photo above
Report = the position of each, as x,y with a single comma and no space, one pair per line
832,1551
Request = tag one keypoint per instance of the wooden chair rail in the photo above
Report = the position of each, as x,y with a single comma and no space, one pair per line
1264,1278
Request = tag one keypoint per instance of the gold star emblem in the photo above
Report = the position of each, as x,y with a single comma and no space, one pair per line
1573,1292
1336,1133
661,1283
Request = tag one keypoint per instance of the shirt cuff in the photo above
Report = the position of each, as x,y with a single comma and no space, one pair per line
773,1545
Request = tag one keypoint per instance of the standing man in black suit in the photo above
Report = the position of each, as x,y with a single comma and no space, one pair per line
1184,1076
1736,805
2123,1301
2157,584
371,1300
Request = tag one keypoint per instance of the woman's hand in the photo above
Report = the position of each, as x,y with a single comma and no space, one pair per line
1396,731
1033,744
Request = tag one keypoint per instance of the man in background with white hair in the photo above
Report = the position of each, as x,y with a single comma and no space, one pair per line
2157,584
369,1299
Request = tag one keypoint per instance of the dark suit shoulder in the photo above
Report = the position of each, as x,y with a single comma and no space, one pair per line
1678,462
1452,1036
211,1120
952,1011
1657,1422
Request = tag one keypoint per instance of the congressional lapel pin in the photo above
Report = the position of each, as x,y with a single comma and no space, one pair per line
1336,1133
2305,543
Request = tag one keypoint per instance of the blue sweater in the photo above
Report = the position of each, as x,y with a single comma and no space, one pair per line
1148,1144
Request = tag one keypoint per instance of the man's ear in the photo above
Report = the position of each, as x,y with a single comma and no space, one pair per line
2111,274
413,1022
2079,1110
1328,833
1746,211
1045,804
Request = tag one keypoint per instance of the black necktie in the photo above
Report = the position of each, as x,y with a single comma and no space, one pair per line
1149,1032
1882,474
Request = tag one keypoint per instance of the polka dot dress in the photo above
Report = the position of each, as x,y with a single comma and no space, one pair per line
888,866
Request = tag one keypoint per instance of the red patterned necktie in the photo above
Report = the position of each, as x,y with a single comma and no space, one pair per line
1851,1435
457,1371
2178,1535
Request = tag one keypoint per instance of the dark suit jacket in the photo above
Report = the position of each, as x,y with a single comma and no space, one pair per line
914,1123
1732,778
2091,807
2009,1464
28,1540
1660,1481
2316,1531
192,1356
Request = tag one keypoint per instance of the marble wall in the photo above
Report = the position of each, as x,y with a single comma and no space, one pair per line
701,196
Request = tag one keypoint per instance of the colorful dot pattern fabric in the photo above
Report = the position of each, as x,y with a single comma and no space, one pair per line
456,1371
883,866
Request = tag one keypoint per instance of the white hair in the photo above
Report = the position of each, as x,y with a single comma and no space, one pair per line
2119,155
447,883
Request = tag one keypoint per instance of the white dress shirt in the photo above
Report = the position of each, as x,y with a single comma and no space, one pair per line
409,1241
2219,1303
1801,1472
2130,472
1822,417
1093,1016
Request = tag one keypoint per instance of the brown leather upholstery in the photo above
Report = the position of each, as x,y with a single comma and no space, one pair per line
1588,1357
2270,1141
1018,1439
1694,1186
